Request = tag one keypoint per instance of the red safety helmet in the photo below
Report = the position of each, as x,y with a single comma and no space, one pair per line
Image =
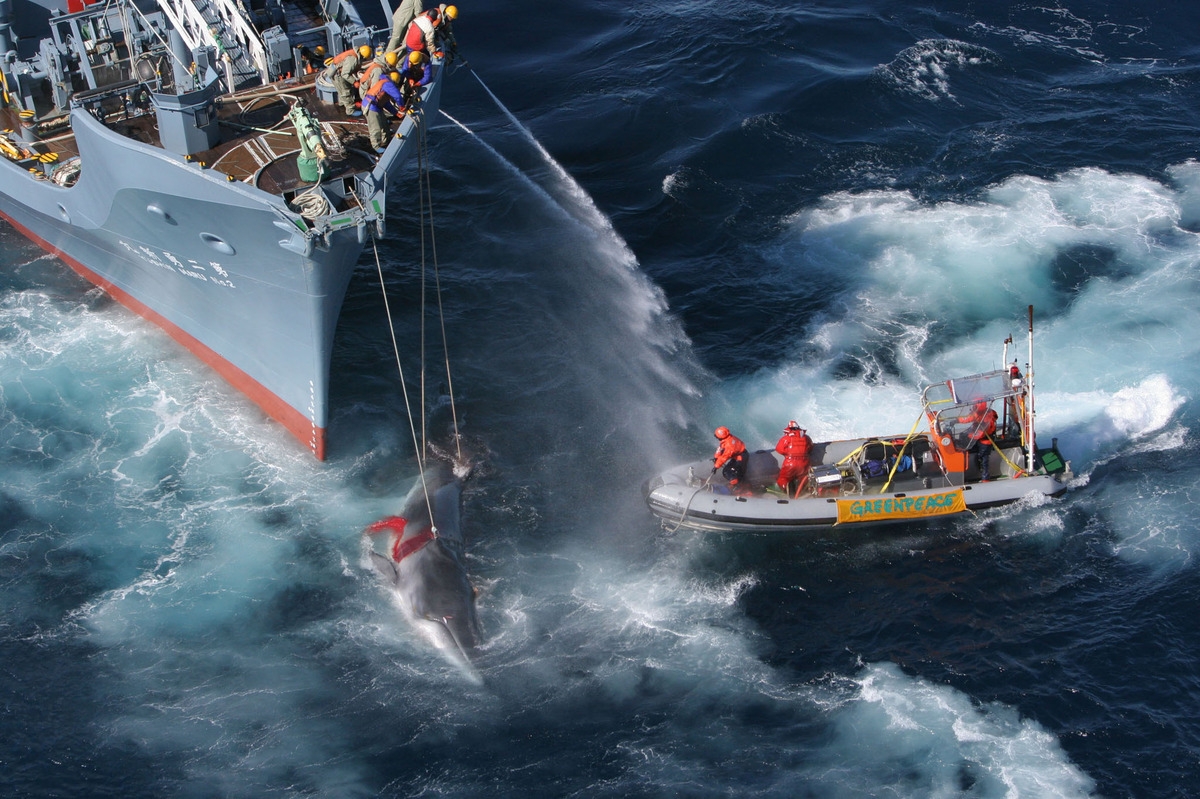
793,425
721,432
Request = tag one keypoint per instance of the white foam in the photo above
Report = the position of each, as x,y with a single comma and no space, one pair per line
925,68
921,739
931,290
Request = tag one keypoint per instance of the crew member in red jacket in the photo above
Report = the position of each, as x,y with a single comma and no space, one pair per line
731,457
429,31
794,446
982,426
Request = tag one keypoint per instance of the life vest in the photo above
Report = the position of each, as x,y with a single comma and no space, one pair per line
730,448
372,95
989,422
340,57
983,424
369,75
794,445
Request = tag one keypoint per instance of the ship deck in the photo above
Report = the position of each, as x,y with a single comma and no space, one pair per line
257,138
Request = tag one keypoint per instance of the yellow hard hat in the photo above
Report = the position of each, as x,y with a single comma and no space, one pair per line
390,58
416,57
320,50
365,51
451,12
394,77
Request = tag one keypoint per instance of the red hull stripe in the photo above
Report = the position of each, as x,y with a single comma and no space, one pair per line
296,423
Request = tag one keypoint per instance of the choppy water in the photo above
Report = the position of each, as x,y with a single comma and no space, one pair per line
742,215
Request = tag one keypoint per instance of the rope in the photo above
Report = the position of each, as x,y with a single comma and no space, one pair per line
420,443
403,386
688,505
312,203
400,370
900,454
1018,471
421,198
437,284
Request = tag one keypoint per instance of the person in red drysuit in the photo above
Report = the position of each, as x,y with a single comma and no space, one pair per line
794,446
982,421
731,457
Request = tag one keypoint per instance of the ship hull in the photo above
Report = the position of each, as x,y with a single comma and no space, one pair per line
225,269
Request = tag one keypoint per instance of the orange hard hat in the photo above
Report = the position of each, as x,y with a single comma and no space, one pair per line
721,432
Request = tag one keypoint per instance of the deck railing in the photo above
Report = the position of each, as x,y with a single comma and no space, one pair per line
220,23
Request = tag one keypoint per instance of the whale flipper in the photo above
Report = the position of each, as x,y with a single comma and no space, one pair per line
386,568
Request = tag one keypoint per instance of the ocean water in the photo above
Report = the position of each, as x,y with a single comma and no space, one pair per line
692,213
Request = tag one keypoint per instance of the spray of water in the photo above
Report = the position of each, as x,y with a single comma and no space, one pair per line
516,173
583,204
598,304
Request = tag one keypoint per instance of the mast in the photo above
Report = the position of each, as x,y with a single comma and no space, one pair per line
1029,437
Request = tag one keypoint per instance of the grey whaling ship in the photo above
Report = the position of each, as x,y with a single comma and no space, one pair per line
181,155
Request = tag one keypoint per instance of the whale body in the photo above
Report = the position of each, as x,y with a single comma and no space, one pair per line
425,564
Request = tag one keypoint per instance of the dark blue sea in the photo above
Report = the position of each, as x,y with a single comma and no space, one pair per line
709,213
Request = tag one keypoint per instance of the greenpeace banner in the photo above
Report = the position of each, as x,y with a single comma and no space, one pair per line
890,509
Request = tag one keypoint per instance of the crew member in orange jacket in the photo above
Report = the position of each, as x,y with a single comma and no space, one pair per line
794,446
342,71
731,454
383,98
982,421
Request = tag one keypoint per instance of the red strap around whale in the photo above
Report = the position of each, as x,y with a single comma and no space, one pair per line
403,548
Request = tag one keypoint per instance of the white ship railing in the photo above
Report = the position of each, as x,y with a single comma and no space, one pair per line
196,30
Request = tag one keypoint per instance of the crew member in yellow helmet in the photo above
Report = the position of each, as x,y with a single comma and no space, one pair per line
342,72
381,98
445,31
417,73
377,66
314,58
430,32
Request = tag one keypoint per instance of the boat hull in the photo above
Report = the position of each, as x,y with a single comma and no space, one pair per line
682,499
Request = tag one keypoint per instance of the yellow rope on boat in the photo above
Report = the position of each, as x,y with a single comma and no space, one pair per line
904,446
1018,471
